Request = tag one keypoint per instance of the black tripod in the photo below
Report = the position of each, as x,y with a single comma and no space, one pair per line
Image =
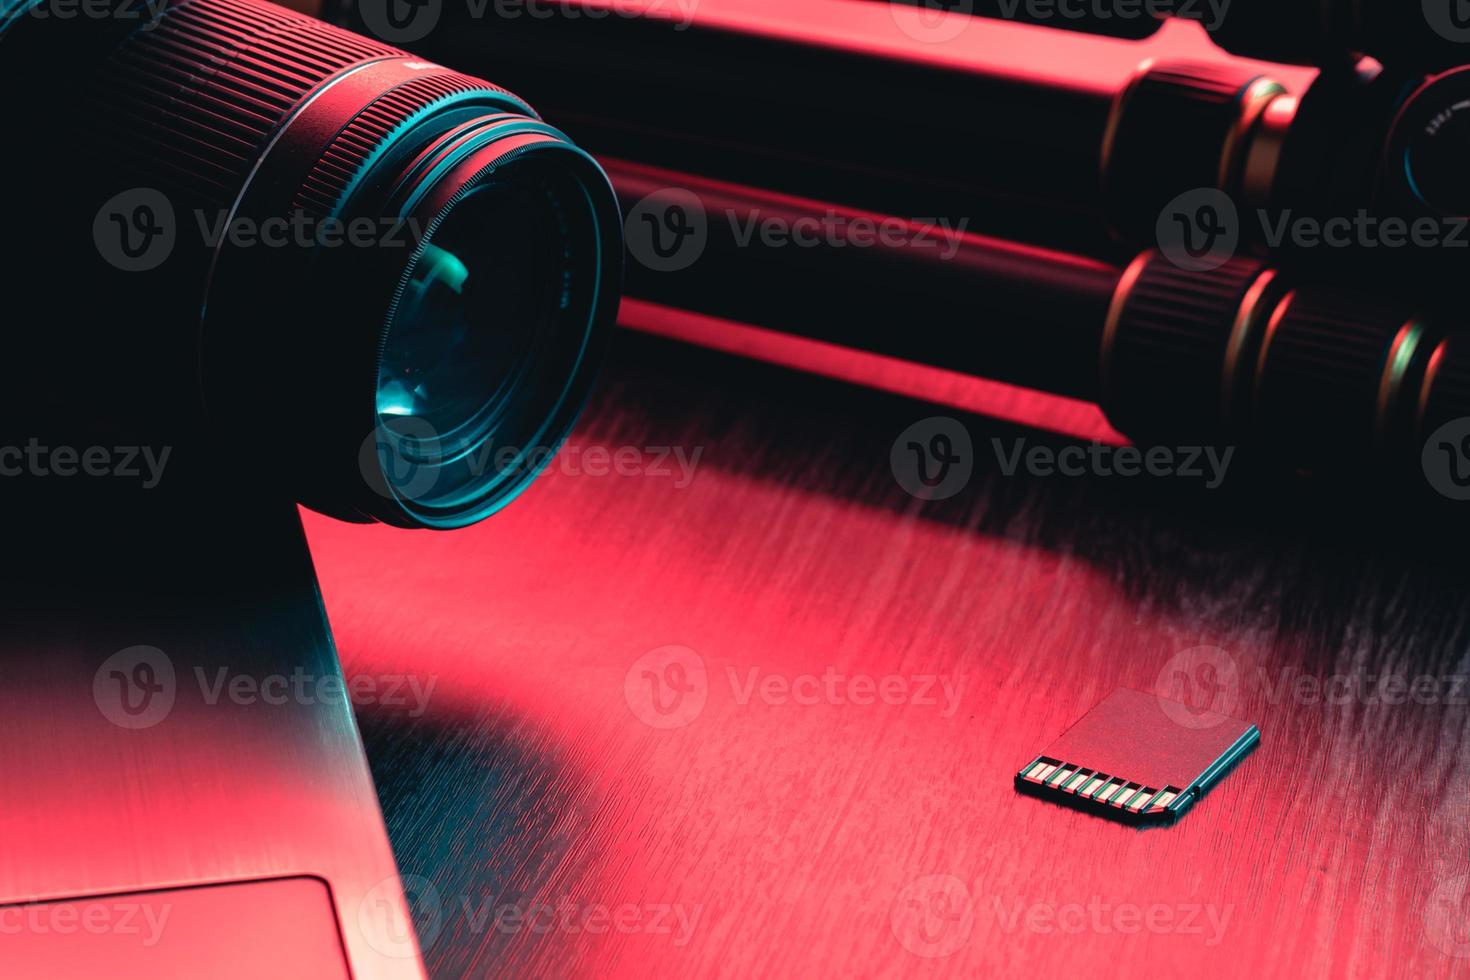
1206,253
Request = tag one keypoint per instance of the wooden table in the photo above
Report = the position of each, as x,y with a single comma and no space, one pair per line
568,796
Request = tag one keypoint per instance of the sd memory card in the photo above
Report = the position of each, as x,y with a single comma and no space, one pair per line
1138,758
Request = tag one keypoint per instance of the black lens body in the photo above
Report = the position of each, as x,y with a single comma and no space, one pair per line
379,286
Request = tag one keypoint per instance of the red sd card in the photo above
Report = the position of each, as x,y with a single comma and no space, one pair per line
1138,758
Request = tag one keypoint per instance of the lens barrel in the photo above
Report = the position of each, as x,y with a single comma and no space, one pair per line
383,283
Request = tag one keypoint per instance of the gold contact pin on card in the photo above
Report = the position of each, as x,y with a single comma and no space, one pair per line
1125,722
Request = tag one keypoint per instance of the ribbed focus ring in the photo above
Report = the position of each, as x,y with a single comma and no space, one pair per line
1320,384
1170,134
1166,350
375,126
192,102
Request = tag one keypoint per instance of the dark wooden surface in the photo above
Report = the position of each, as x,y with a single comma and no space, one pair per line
802,839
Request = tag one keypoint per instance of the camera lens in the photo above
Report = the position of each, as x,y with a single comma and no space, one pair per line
467,312
1429,148
391,280
484,347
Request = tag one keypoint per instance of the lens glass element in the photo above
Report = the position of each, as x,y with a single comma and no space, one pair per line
484,337
467,317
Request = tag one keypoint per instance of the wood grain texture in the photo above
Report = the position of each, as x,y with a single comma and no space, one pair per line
802,839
